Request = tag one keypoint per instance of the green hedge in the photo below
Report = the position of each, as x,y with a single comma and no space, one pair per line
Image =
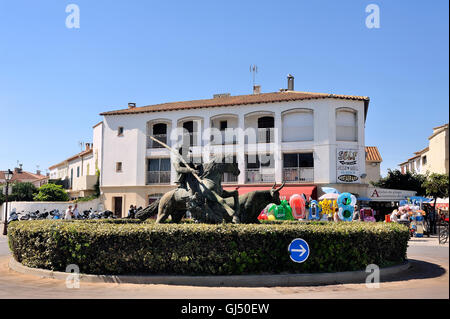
131,247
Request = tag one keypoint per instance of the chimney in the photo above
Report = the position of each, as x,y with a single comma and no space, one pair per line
256,89
290,79
131,105
38,172
88,146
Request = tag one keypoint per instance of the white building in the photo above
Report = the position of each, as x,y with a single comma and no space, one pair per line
312,139
78,172
432,159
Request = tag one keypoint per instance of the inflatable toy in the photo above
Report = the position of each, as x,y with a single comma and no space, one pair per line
282,211
314,210
264,215
297,204
346,210
367,214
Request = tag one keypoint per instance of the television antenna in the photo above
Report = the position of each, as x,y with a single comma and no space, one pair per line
81,145
254,70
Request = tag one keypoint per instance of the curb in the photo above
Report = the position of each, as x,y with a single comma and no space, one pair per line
281,280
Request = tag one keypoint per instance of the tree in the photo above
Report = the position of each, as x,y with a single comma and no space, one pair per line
436,186
23,192
51,193
397,180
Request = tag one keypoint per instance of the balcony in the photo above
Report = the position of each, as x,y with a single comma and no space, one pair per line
83,183
153,144
259,175
299,174
158,177
265,135
224,139
190,139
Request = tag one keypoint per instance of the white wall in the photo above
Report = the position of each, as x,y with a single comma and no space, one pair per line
41,206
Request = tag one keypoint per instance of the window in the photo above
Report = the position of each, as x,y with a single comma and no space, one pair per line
260,168
346,125
424,160
120,131
78,171
158,171
298,167
119,167
298,125
87,169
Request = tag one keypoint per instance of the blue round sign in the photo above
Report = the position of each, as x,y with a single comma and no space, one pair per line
299,250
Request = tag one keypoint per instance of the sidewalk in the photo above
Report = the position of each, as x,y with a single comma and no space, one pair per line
432,241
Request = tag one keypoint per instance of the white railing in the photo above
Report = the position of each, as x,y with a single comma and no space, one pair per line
224,139
259,176
158,177
298,174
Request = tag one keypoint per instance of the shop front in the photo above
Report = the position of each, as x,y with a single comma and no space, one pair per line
384,200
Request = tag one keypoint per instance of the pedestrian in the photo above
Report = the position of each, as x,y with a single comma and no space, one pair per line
131,212
75,212
394,216
69,213
336,215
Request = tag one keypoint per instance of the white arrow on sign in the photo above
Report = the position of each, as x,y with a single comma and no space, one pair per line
302,250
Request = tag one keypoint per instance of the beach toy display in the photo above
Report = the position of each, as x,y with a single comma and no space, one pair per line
264,215
346,210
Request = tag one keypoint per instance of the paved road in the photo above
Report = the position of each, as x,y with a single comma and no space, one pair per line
427,278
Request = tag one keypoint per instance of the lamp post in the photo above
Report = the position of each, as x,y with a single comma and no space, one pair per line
8,176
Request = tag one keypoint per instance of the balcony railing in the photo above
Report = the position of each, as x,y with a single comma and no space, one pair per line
266,135
224,139
153,144
259,176
229,178
158,177
298,174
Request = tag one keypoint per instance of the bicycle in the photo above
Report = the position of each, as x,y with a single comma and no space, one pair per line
443,233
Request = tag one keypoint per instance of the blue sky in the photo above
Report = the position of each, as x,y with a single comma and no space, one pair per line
54,81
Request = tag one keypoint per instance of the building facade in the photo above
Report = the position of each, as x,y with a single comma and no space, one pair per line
432,159
78,173
304,139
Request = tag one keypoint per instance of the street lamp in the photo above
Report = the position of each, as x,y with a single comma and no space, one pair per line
8,176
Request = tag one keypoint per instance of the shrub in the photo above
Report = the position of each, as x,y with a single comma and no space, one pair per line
51,193
132,247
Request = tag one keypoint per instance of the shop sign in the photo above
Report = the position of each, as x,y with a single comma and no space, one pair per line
347,168
388,195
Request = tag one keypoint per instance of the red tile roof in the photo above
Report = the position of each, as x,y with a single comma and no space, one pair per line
372,154
83,153
23,176
238,100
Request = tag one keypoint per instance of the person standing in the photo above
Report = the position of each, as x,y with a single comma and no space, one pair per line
69,213
75,212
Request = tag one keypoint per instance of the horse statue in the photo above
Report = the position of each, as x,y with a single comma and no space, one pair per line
204,197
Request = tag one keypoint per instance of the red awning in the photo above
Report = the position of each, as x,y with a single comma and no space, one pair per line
287,191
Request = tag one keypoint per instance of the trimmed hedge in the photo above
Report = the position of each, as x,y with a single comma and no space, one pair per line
131,247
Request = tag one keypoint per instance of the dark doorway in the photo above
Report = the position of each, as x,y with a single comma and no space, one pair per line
117,207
